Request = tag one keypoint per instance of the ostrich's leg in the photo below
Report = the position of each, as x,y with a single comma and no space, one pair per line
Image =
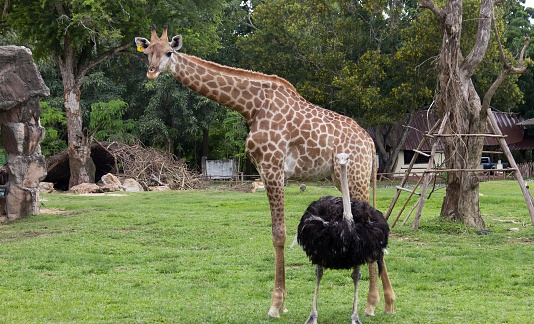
373,297
389,294
312,319
354,319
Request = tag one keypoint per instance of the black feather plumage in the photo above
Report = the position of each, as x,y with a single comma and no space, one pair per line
332,242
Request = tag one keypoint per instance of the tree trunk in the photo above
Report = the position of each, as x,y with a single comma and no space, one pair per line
389,154
468,114
458,96
82,167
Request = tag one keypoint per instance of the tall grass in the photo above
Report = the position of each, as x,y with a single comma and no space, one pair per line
207,257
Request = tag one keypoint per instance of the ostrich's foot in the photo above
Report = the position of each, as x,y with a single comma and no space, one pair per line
355,320
312,319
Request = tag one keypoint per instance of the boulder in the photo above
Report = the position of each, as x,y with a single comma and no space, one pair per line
85,188
111,183
131,185
47,187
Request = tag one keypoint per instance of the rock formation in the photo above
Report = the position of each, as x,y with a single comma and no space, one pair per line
21,86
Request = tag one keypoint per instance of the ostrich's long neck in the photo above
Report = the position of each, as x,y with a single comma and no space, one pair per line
236,89
347,212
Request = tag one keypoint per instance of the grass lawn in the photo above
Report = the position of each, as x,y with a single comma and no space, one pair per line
206,257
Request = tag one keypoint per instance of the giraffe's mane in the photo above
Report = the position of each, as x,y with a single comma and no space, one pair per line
241,72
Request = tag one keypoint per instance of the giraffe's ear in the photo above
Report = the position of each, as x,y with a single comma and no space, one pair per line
141,43
176,42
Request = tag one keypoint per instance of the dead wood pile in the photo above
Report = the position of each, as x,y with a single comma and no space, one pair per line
148,166
152,167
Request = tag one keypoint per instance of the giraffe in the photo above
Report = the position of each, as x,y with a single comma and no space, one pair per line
289,138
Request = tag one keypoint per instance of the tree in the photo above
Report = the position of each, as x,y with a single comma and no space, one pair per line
79,35
457,96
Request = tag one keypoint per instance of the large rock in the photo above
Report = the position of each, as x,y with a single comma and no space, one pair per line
21,86
19,78
111,183
132,185
85,188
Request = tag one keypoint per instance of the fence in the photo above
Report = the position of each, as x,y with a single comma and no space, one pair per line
526,169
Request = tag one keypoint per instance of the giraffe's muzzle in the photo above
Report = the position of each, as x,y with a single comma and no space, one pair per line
152,73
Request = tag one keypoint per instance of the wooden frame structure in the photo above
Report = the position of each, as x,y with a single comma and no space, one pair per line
430,170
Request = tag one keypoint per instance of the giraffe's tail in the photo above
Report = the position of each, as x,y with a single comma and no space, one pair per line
375,172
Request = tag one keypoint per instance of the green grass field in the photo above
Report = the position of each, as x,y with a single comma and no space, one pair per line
207,257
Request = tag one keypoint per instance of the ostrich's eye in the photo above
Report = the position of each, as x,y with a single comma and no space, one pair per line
169,54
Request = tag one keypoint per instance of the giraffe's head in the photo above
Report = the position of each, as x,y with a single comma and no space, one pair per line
159,51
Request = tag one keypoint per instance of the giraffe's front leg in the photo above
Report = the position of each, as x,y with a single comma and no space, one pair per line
275,193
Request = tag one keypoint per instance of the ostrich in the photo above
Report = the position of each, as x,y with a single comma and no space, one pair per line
337,233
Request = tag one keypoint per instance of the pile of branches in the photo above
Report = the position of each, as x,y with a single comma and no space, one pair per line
152,167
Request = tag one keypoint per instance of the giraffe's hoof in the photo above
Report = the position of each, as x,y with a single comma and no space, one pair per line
273,312
369,312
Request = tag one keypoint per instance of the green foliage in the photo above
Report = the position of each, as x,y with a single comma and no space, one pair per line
77,35
89,26
517,24
363,85
228,137
107,117
54,121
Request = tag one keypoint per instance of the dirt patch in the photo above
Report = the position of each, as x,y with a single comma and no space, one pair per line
102,194
55,211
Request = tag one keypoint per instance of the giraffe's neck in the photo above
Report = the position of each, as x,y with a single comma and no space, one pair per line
236,89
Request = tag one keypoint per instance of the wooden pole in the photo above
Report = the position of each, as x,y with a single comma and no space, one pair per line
407,173
511,161
412,192
427,174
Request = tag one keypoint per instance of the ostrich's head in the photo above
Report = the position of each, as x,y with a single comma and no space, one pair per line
342,158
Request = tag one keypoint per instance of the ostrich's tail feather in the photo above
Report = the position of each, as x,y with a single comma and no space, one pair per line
294,241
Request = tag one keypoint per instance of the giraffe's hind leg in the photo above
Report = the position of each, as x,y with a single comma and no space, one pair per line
373,297
389,294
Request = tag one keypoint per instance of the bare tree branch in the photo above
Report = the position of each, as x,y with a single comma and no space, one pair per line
121,50
507,68
6,7
478,51
428,4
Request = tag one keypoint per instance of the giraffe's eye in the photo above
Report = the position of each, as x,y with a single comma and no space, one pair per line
169,54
